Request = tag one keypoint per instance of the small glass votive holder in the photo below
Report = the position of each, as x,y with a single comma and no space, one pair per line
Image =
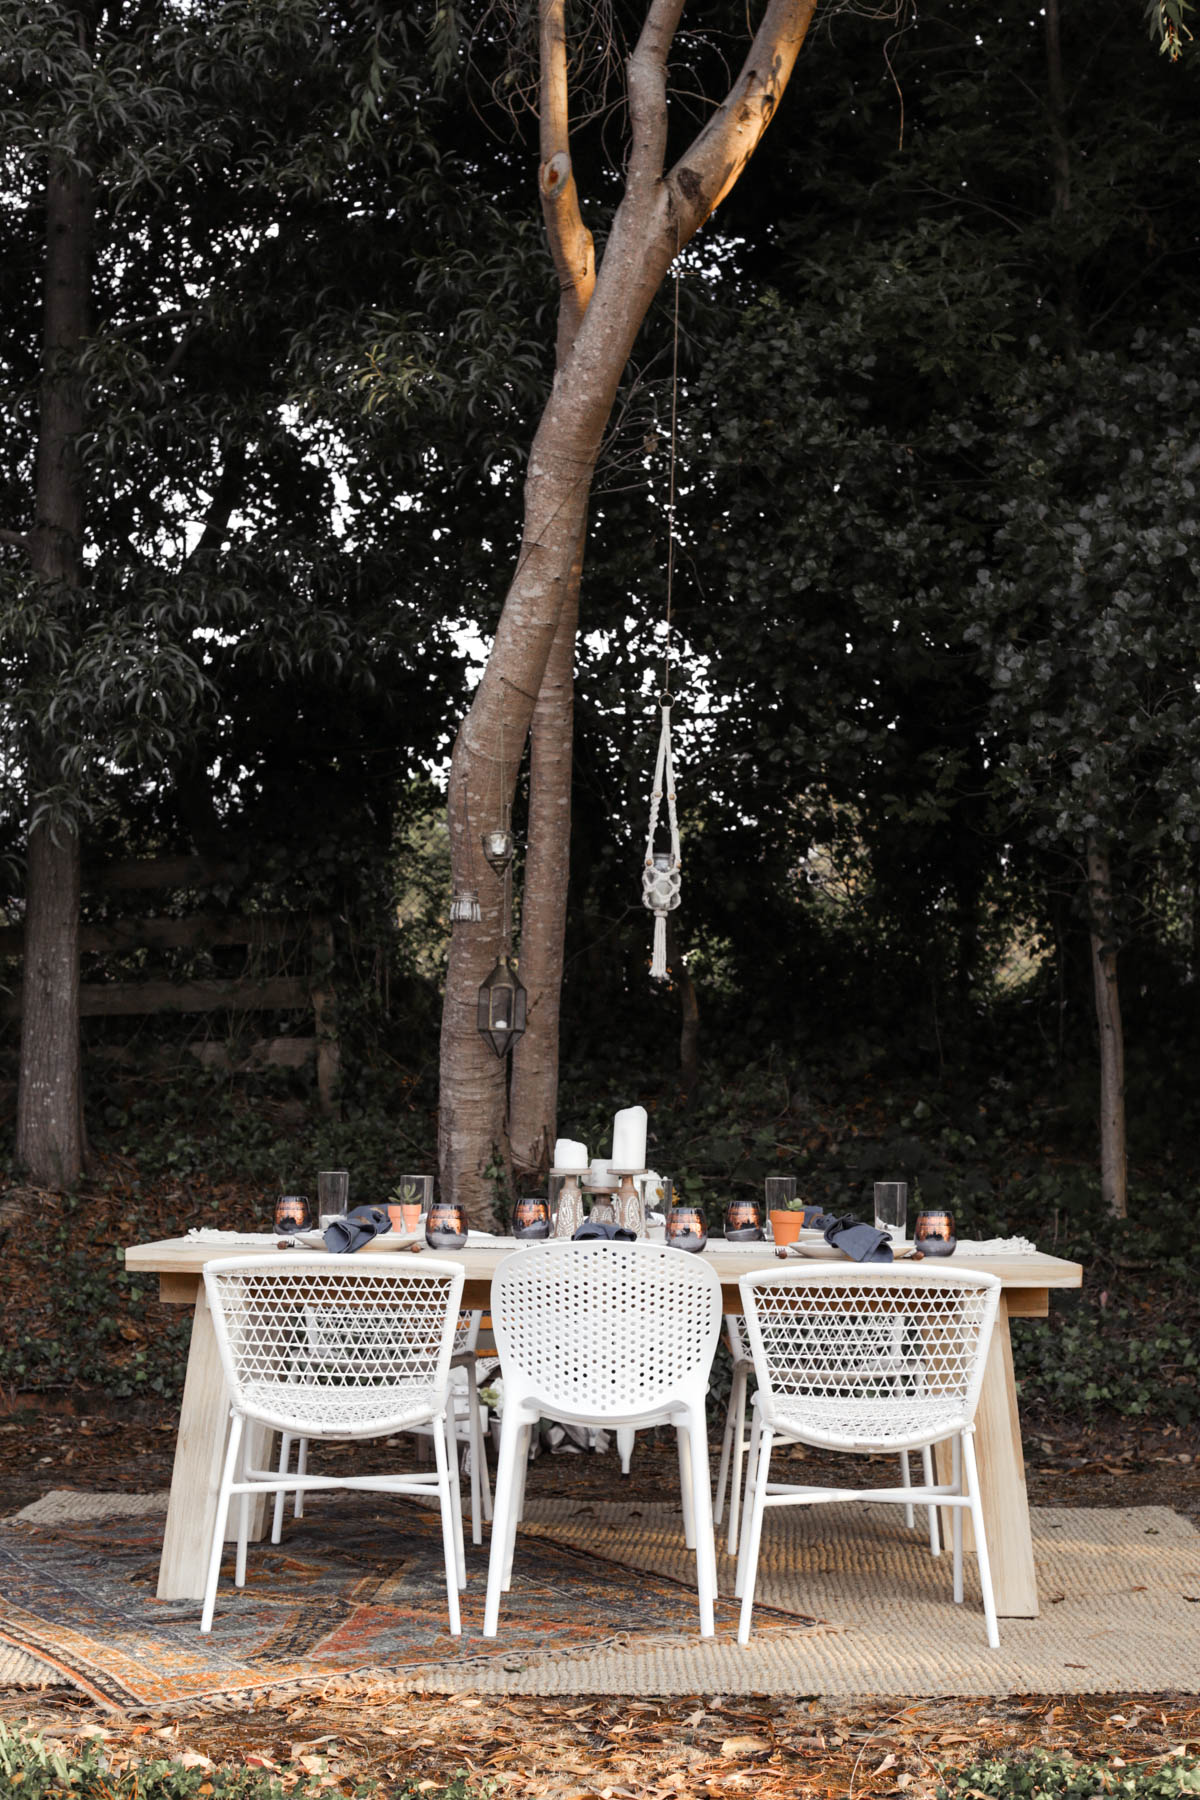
743,1223
446,1226
934,1233
687,1227
409,1200
531,1219
292,1213
891,1208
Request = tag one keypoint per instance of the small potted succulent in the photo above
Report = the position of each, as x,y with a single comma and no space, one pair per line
787,1222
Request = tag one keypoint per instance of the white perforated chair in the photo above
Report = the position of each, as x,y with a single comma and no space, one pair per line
867,1360
464,1416
604,1334
316,1346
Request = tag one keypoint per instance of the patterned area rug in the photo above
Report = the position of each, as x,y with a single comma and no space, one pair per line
356,1585
602,1602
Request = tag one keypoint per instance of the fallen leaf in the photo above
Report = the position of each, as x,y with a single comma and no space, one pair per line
735,1747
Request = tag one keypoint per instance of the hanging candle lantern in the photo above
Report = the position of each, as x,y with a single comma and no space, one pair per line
497,849
501,1014
465,908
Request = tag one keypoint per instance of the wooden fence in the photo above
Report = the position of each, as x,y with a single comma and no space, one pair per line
158,993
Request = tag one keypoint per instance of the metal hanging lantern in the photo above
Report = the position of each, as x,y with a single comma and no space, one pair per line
498,849
501,1014
465,908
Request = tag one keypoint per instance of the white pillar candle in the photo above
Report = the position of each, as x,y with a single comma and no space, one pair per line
601,1175
570,1155
629,1138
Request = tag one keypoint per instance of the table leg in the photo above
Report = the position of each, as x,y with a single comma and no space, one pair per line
196,1476
1001,1480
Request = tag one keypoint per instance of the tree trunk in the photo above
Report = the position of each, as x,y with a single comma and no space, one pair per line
534,1097
657,216
1113,1172
50,1141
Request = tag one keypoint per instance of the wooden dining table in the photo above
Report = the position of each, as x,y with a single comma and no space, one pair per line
203,1419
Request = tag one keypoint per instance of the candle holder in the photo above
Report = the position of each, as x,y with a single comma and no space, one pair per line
569,1216
628,1205
602,1203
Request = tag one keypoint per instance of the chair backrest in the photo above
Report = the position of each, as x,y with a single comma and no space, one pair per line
354,1345
860,1355
601,1329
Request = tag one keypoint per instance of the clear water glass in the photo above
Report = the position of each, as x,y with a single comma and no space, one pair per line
333,1190
891,1208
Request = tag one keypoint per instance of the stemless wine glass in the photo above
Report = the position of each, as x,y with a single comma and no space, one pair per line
446,1226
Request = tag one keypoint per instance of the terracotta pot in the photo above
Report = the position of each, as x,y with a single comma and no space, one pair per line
786,1226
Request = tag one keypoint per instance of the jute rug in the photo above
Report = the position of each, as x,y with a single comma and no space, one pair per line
603,1601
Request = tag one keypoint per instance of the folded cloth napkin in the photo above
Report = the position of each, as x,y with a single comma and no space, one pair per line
861,1243
815,1218
600,1228
356,1229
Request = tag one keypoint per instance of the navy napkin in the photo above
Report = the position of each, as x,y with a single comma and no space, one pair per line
356,1229
861,1243
600,1228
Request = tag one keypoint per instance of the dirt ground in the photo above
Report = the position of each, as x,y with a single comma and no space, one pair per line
577,1749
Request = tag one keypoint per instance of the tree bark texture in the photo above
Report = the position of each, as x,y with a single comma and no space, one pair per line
50,1140
534,1096
658,214
1113,1163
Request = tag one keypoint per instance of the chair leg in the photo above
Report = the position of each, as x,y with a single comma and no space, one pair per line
753,1538
906,1481
702,1519
301,1469
625,1437
218,1541
512,1437
686,1493
518,1511
460,1554
243,1537
479,1510
726,1448
449,1532
956,1483
981,1550
739,1452
751,1479
935,1534
285,1457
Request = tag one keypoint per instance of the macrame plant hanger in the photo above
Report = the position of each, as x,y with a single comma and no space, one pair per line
661,876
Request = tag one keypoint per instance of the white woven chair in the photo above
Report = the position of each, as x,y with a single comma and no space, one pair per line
466,1427
867,1360
604,1334
322,1347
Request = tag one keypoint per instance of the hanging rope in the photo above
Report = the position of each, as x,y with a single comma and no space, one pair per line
661,877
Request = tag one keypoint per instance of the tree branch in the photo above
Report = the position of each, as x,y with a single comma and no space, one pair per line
570,240
705,173
647,75
17,539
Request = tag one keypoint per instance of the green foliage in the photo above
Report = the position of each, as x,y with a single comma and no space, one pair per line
1058,1776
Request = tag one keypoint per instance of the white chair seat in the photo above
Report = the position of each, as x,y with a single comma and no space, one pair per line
305,1406
879,1424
